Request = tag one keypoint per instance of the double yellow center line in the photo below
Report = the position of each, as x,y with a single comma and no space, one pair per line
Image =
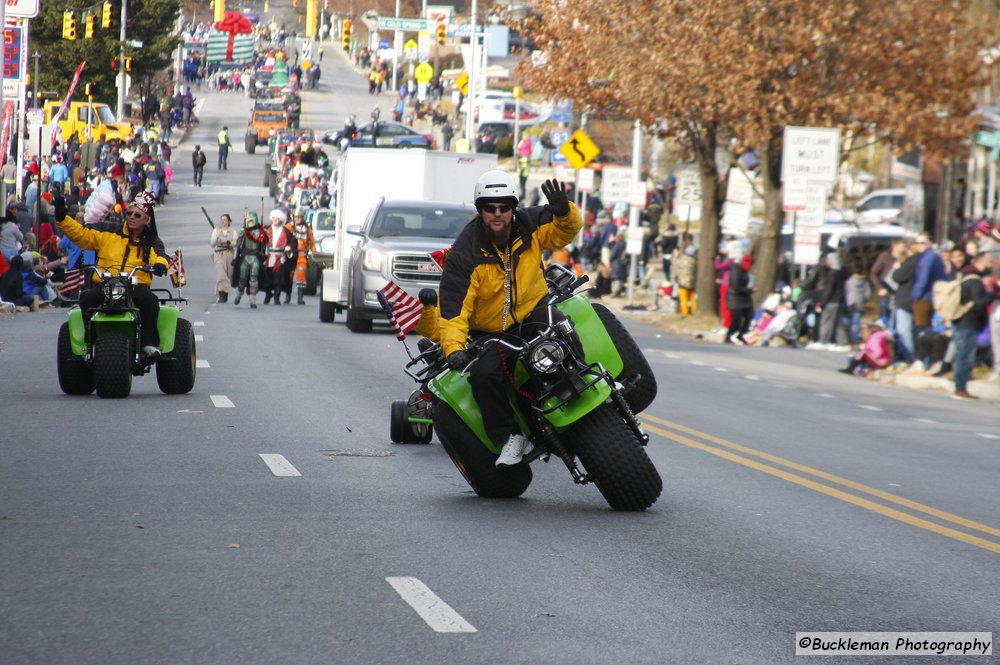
749,457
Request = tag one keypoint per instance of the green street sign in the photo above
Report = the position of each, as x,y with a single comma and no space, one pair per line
407,24
988,139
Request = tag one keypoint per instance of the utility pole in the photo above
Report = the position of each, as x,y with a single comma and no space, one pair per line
36,56
121,63
469,111
397,50
633,211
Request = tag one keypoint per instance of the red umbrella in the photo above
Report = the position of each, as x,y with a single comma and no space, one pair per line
234,23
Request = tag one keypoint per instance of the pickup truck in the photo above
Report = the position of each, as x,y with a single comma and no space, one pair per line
83,117
394,207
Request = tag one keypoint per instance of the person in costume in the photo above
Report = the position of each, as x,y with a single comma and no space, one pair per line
280,246
305,243
249,247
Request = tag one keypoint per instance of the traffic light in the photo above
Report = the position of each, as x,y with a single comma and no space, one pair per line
88,22
106,15
69,25
345,35
87,90
128,63
442,32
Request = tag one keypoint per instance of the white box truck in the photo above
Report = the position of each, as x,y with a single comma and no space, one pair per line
394,207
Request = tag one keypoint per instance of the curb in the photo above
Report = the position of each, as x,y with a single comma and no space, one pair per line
986,390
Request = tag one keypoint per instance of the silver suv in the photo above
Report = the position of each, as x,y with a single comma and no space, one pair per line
395,244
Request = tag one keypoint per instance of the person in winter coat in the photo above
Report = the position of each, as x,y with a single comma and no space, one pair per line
740,299
965,330
857,291
903,277
684,276
120,248
492,285
10,244
930,269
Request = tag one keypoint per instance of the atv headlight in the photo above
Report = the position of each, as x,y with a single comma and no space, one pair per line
373,260
546,356
328,245
114,291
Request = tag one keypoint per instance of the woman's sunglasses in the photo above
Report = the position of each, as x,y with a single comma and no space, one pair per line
495,209
134,213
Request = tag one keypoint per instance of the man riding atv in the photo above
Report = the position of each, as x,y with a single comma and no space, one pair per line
492,285
120,248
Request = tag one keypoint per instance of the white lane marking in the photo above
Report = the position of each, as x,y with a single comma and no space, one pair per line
202,364
222,402
198,324
926,421
278,465
199,338
827,395
721,369
697,363
752,377
672,356
987,435
437,613
782,385
869,407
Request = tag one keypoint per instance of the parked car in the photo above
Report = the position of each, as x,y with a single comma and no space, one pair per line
880,206
390,135
490,134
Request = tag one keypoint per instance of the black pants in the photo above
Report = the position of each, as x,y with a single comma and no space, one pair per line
741,322
199,173
492,372
145,300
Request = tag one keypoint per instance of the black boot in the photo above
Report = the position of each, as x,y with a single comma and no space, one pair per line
288,296
267,297
224,297
302,293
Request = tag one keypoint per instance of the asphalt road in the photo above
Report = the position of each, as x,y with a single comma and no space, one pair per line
167,529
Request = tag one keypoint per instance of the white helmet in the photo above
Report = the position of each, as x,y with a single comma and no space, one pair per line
495,185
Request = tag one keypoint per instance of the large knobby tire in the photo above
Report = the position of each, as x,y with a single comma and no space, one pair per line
75,377
477,464
615,460
250,144
113,364
327,311
175,371
642,393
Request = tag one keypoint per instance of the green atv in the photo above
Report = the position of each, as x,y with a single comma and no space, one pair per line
105,352
580,409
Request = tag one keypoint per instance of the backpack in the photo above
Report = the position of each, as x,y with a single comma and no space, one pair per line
200,160
947,295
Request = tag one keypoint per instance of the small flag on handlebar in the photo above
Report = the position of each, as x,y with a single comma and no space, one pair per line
74,281
402,309
178,276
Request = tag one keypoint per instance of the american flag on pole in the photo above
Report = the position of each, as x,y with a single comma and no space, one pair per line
402,309
178,276
74,281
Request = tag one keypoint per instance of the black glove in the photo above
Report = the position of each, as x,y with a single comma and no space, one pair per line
59,207
458,360
555,192
428,297
159,269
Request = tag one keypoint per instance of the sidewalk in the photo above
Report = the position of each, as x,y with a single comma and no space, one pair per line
702,329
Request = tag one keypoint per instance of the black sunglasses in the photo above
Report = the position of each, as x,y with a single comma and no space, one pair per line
495,209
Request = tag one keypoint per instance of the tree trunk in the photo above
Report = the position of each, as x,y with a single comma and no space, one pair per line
768,249
708,237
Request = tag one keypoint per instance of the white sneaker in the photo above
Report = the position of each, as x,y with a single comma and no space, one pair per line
514,450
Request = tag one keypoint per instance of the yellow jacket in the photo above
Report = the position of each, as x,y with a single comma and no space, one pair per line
116,251
472,286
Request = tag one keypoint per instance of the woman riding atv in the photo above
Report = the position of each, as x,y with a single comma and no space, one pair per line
120,248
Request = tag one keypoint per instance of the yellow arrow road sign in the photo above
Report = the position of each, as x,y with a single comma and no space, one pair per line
579,150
